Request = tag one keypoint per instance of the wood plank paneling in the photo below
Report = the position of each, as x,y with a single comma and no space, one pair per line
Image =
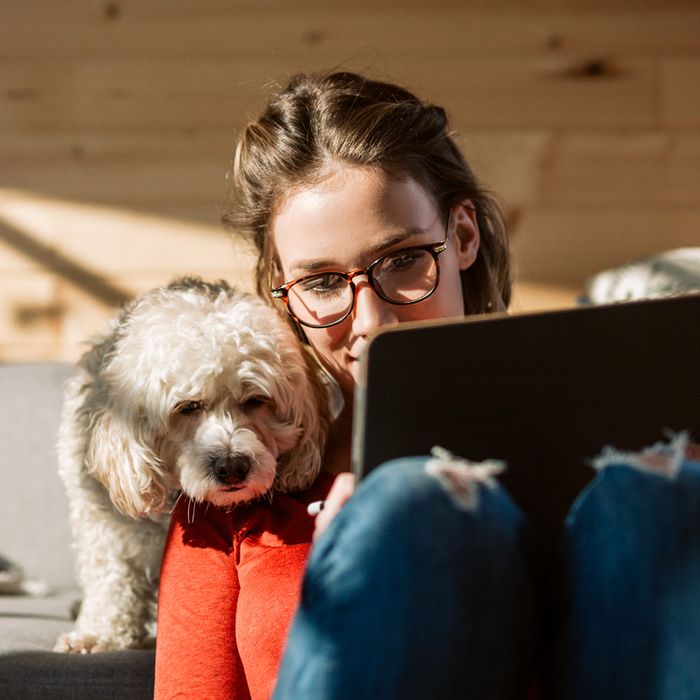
531,296
110,240
118,120
566,245
680,89
305,33
508,162
167,173
43,315
628,167
136,183
161,95
170,173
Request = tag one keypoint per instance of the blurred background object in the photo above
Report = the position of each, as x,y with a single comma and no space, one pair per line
117,120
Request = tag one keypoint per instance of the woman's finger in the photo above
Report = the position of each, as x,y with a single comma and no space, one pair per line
340,492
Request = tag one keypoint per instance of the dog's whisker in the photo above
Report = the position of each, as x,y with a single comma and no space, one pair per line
177,500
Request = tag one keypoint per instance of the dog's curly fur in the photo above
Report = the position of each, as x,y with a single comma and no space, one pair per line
199,389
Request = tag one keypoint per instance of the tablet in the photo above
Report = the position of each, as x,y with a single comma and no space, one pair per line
544,392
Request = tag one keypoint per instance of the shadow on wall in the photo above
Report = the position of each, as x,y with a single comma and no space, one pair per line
66,266
52,260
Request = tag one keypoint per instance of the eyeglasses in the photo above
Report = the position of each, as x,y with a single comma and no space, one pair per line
402,277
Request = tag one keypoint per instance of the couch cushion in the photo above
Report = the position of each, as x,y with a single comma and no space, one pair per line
34,527
31,624
35,534
29,669
44,675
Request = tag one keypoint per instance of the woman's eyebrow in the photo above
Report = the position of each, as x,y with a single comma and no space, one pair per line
375,251
396,238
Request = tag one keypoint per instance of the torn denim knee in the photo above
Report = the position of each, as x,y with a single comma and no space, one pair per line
461,478
663,458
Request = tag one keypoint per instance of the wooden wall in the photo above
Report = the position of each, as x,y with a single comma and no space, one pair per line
117,119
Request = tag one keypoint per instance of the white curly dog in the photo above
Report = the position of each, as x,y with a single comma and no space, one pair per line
201,391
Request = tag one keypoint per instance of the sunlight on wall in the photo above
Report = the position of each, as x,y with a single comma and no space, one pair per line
66,266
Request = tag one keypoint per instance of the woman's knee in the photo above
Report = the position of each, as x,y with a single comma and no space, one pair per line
627,577
414,495
629,502
404,515
447,583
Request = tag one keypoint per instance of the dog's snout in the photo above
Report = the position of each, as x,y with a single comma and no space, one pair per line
230,469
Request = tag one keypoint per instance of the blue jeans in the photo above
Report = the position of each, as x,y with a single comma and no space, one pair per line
408,596
627,589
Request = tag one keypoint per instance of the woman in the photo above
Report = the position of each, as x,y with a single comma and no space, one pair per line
364,214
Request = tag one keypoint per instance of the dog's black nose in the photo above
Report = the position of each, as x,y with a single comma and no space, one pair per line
230,469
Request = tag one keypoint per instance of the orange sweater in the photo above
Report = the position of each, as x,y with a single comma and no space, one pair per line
230,583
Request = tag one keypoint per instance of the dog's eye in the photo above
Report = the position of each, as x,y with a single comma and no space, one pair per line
254,402
188,407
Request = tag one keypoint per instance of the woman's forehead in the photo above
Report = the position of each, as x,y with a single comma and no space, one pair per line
355,212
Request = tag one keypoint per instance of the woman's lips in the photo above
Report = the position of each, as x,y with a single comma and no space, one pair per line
355,352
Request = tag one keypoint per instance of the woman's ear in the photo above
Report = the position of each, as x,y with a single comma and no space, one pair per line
467,237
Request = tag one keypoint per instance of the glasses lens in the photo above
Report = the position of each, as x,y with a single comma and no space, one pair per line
406,276
321,299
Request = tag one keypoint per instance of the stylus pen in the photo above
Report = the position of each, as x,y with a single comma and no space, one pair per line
313,509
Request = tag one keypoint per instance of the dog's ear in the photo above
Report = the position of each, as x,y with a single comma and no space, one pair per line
120,457
300,466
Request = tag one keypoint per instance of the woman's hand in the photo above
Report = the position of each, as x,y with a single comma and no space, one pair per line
340,492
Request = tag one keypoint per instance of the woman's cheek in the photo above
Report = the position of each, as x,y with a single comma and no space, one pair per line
331,349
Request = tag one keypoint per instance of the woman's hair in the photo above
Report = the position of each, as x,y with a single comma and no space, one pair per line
342,117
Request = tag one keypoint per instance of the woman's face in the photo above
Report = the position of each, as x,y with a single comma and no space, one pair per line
351,218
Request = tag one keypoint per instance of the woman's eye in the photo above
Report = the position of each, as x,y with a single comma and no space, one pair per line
189,407
402,260
323,284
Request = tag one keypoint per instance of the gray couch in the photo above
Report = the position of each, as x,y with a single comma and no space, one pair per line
34,533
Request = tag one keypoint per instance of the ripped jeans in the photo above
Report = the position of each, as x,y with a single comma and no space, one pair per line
417,592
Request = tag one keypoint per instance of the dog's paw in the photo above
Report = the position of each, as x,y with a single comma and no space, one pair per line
77,642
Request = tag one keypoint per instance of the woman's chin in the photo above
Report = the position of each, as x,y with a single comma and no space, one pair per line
352,376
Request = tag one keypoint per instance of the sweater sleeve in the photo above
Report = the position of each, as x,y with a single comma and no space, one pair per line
196,649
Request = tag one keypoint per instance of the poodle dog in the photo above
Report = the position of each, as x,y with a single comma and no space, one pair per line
201,391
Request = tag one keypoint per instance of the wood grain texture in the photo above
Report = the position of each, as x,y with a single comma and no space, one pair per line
566,245
118,120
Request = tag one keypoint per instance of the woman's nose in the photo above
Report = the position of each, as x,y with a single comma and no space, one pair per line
371,311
